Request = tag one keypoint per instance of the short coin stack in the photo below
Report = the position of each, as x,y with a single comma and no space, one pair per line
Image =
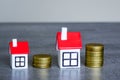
94,56
42,60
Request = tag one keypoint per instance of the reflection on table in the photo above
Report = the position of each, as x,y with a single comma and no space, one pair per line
19,74
69,74
42,74
93,74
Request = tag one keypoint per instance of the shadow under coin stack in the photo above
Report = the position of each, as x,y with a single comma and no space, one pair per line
94,56
41,61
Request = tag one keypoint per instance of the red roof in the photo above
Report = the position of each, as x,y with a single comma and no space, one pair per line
73,41
22,47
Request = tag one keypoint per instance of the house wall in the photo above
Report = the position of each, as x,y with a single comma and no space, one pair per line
71,50
13,61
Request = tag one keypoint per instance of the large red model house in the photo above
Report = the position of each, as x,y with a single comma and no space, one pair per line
68,46
19,51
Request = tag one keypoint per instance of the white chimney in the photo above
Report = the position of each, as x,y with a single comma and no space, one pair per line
14,41
64,33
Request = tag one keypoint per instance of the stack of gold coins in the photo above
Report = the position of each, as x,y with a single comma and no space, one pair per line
42,61
94,56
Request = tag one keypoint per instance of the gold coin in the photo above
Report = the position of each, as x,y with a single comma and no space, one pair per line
42,57
89,59
92,53
95,58
93,64
98,60
42,65
95,61
88,55
42,61
94,47
35,61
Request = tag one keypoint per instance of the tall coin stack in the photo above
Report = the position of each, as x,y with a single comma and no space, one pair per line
42,61
94,56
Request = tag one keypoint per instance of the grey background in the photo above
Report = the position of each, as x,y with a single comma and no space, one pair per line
41,37
59,11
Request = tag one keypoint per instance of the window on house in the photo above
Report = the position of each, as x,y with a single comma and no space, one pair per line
19,61
70,59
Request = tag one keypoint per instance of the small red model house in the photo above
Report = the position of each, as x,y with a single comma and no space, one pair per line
68,46
19,54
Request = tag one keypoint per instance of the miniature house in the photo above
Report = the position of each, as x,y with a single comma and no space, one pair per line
68,45
19,51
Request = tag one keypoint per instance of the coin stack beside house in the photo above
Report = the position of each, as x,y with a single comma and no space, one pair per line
42,60
94,56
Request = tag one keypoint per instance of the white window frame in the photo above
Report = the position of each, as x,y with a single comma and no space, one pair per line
19,61
70,59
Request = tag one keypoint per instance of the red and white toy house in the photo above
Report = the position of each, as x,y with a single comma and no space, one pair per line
19,51
68,45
